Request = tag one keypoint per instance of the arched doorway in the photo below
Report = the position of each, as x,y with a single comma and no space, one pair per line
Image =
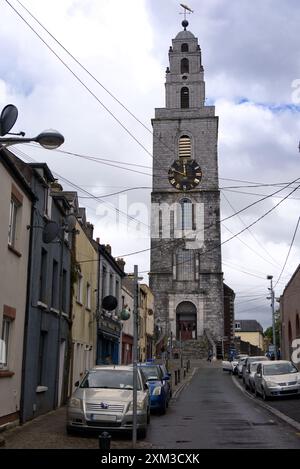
186,321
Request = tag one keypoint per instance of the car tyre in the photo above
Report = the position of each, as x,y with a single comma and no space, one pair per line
148,416
164,408
263,395
255,392
142,433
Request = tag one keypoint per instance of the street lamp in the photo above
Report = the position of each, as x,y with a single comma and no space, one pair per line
50,139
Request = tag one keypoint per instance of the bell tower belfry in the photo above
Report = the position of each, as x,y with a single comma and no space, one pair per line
186,273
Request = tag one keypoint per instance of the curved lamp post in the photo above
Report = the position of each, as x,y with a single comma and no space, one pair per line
49,139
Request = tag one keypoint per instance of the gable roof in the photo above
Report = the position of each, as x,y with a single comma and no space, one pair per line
249,325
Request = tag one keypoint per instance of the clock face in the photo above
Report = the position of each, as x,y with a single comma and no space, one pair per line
184,175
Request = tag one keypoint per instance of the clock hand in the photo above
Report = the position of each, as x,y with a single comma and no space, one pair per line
175,171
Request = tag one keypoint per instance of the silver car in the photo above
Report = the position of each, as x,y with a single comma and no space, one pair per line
277,378
248,360
103,401
249,376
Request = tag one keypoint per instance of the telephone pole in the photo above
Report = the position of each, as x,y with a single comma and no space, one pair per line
272,298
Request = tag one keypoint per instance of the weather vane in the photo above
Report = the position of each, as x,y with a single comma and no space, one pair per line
186,10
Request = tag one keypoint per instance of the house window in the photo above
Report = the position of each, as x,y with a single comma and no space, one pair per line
185,264
237,326
111,285
41,359
185,215
5,337
64,292
43,277
12,221
185,66
117,290
47,202
184,47
88,296
184,147
79,288
54,294
104,275
185,98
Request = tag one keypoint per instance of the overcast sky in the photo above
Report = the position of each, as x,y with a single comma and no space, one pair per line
251,58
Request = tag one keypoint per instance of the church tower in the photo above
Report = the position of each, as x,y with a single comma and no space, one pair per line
186,274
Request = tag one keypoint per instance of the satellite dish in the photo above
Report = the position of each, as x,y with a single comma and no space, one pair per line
109,303
8,119
71,222
125,314
50,232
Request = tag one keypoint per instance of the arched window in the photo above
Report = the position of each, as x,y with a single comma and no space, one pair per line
185,66
184,47
185,97
185,264
185,147
297,327
185,215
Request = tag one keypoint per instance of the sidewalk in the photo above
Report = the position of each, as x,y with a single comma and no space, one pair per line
48,431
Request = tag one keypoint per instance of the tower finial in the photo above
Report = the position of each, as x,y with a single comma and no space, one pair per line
186,10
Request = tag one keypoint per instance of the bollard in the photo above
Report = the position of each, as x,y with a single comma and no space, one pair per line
184,373
175,373
104,440
178,376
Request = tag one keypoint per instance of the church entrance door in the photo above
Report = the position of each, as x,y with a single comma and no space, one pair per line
186,321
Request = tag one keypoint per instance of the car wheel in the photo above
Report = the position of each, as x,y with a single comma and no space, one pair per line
163,408
148,416
70,431
263,395
142,433
255,392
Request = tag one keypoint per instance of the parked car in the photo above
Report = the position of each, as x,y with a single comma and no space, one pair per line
235,363
277,378
103,401
240,366
248,360
249,375
167,379
226,365
158,387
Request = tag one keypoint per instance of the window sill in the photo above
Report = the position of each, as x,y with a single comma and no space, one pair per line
88,309
6,374
41,389
42,305
79,303
54,310
12,249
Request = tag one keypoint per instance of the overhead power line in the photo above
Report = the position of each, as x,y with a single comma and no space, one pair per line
289,251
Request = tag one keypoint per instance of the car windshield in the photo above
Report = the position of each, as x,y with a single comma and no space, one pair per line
110,379
279,369
151,372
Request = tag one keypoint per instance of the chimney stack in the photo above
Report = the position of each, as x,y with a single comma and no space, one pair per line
108,248
121,263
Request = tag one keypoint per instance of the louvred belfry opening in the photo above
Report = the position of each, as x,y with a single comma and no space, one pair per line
185,147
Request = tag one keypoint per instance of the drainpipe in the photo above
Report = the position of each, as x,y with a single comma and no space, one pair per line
22,410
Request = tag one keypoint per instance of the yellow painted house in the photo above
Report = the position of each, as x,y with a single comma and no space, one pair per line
84,324
249,330
146,323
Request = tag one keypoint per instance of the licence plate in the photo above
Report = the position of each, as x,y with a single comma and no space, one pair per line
103,418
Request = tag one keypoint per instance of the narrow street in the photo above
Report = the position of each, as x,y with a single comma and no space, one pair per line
211,412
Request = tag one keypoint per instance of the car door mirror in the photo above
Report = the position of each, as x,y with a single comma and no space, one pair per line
166,378
76,384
